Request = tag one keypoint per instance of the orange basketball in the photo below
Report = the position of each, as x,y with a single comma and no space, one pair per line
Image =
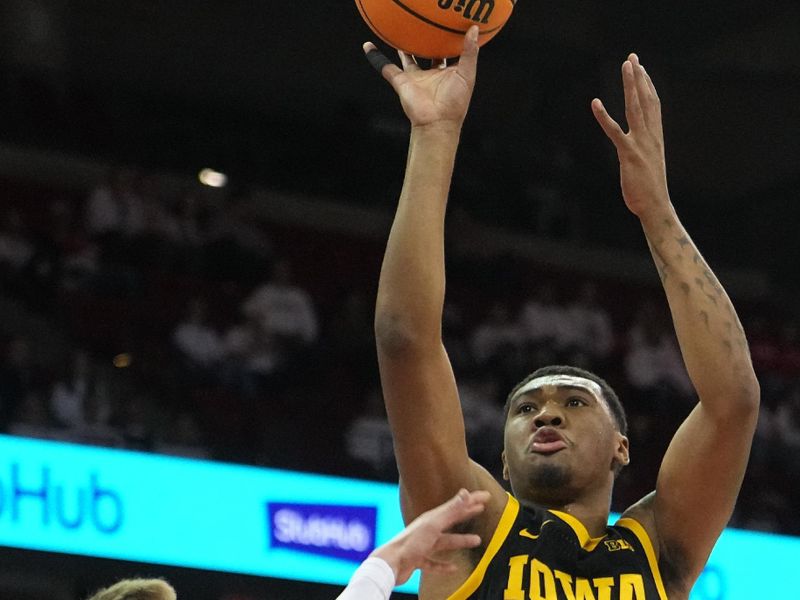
434,28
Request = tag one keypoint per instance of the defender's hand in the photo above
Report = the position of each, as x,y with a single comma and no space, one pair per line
643,171
417,545
439,95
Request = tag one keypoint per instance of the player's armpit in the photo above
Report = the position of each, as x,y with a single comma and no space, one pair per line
698,483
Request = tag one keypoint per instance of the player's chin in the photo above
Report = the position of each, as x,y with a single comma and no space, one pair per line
550,476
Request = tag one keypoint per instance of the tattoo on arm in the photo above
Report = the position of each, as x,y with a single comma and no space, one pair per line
701,284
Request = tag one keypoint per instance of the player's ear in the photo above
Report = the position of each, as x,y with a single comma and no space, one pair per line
505,466
622,452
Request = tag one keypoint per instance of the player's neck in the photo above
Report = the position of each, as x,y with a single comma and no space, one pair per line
594,519
591,510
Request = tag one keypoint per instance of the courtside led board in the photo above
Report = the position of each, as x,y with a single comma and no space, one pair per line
72,499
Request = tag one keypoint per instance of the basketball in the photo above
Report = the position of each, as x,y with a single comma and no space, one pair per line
434,28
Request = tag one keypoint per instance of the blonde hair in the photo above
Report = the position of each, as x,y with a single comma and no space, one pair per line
137,589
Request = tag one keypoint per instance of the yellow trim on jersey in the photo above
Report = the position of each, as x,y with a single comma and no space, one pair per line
500,534
644,539
587,542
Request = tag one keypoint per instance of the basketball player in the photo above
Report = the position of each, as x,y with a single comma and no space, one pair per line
137,589
564,439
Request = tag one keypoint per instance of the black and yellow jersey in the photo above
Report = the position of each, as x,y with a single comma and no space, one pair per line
538,554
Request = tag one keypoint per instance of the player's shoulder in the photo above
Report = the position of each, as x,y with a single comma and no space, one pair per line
643,512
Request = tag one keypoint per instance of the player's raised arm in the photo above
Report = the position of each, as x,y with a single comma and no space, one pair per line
417,379
703,468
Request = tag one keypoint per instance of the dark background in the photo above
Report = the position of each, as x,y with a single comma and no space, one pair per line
279,97
279,94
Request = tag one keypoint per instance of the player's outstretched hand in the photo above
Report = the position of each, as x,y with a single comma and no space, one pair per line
417,545
439,95
643,171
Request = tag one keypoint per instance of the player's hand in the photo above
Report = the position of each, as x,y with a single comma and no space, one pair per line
643,171
439,95
417,545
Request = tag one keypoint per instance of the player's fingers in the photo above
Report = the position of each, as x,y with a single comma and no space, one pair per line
633,110
479,497
609,125
439,63
464,505
409,62
456,541
380,63
656,102
647,100
468,61
651,86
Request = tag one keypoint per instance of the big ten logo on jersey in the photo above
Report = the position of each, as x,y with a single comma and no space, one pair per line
616,545
551,584
475,10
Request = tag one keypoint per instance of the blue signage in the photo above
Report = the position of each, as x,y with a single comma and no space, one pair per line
33,496
346,532
132,506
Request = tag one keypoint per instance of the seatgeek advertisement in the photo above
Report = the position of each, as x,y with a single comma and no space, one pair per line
79,500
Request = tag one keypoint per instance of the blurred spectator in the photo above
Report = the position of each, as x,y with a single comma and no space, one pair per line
654,367
70,390
105,207
543,319
587,326
369,439
199,344
283,309
653,359
253,359
496,335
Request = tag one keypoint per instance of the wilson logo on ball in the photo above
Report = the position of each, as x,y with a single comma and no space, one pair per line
434,28
482,13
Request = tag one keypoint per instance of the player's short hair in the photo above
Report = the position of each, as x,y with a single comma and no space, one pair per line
617,410
137,589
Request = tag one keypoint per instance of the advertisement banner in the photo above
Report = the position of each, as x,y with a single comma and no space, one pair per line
72,499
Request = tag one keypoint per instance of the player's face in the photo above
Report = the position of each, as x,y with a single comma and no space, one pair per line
560,441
